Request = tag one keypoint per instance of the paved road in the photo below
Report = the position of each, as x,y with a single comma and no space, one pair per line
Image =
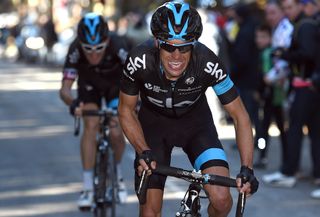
40,165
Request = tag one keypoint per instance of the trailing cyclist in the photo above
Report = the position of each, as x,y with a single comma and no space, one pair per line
171,74
95,59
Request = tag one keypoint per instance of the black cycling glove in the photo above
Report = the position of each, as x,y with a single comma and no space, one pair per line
246,174
75,103
147,156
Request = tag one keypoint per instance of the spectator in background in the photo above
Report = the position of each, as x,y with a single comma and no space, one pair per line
311,9
268,92
210,37
305,105
48,31
275,80
244,63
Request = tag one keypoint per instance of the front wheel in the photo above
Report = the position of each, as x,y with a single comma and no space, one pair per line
100,177
100,211
111,183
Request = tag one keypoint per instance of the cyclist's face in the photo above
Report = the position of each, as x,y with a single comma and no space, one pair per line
94,53
175,61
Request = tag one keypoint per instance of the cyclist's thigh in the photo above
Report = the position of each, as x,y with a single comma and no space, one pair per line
89,94
156,136
204,149
162,156
113,104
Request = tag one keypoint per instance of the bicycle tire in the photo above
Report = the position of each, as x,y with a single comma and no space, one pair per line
111,182
100,210
100,177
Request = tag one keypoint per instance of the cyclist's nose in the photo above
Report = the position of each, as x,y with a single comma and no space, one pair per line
176,53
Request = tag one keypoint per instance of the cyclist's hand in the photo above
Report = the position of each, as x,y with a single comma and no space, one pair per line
79,109
146,162
246,181
74,105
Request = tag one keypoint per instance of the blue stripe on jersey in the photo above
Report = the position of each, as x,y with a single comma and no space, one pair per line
209,154
223,86
113,103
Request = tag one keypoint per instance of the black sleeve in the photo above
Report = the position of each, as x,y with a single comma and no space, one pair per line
128,80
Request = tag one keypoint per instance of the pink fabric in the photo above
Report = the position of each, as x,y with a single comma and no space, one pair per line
299,82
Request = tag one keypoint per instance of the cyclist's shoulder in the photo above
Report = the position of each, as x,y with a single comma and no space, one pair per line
74,54
202,54
75,44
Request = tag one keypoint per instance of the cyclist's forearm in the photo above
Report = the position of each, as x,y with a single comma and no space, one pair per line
244,140
243,130
66,96
65,92
133,130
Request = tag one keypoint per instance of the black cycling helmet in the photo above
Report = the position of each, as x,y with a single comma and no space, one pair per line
92,29
176,20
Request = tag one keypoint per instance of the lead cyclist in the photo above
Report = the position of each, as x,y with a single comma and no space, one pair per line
171,73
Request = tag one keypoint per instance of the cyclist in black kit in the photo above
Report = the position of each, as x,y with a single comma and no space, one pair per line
171,74
95,59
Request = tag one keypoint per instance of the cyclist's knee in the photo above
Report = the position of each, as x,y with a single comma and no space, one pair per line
221,201
91,124
149,212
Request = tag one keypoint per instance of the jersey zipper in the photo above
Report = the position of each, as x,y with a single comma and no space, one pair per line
173,85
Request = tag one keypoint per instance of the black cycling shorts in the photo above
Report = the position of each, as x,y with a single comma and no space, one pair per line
89,94
195,133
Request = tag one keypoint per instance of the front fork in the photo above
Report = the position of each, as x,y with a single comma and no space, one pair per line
100,175
190,204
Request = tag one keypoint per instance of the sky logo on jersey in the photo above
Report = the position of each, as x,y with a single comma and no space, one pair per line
136,63
213,70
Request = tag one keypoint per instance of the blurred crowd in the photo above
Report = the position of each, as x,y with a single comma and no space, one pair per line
271,51
272,54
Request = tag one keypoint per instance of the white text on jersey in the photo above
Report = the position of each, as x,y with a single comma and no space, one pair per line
133,65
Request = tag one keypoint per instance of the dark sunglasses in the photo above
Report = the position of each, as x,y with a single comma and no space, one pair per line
170,47
94,48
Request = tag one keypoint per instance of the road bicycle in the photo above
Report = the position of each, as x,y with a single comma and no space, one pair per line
105,170
190,204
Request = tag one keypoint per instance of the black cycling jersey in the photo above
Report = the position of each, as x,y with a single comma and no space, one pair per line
102,77
143,73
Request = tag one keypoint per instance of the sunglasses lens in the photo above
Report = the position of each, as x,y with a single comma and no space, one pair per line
100,48
171,48
87,48
168,47
185,49
97,48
